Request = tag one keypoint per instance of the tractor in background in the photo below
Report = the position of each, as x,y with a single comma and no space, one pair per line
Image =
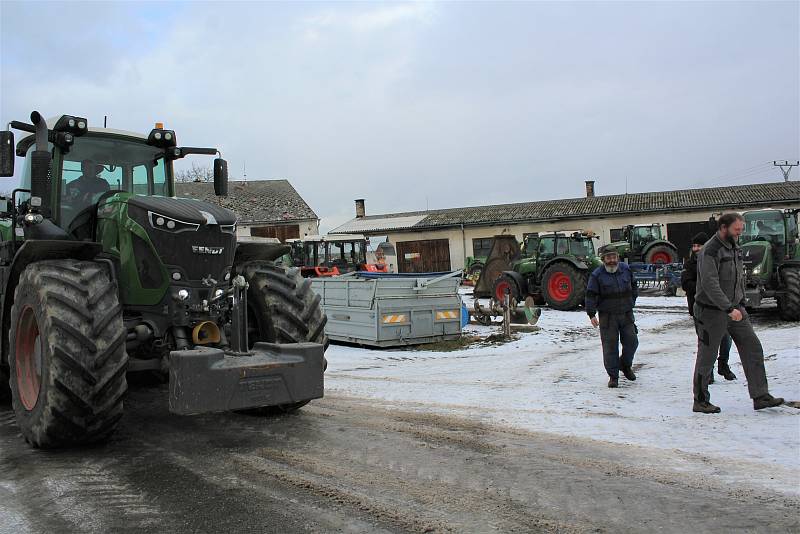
772,259
553,268
332,255
645,243
105,272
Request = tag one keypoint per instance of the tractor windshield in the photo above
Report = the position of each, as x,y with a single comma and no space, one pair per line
645,234
95,165
581,247
763,226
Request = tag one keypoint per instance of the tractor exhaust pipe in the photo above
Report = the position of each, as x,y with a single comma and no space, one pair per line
40,165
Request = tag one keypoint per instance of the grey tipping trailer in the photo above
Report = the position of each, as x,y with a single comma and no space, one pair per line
385,310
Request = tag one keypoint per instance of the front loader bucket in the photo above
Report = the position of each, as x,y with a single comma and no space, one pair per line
205,379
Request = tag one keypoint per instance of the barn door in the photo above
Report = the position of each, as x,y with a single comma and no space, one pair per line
425,256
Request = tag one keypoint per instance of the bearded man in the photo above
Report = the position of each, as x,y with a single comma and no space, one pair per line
611,294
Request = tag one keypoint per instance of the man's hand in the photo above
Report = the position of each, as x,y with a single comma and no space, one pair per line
595,322
735,315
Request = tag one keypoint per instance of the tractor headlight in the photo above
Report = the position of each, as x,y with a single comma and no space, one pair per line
756,269
168,224
228,228
73,125
183,294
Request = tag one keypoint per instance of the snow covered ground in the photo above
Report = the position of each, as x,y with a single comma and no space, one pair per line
552,380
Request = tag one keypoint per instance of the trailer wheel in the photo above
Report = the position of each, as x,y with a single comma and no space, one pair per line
789,302
660,254
67,354
282,308
564,286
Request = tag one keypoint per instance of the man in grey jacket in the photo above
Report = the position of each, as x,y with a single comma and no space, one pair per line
719,308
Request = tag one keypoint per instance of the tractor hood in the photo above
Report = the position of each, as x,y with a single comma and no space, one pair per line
755,253
185,210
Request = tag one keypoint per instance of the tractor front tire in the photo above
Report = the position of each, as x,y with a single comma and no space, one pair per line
506,283
67,356
789,302
282,308
564,286
661,254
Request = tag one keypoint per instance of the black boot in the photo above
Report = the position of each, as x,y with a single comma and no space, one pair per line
725,371
766,401
613,382
628,372
705,407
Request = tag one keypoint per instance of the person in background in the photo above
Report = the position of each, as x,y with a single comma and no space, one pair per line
611,294
719,309
689,285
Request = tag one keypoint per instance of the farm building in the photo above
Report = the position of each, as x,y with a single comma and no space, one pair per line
440,240
265,208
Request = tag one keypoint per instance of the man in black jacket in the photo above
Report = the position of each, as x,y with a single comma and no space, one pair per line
689,285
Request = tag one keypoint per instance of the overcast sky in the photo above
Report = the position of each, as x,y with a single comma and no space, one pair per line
415,105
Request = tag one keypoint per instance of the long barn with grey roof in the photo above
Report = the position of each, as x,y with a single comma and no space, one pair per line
448,236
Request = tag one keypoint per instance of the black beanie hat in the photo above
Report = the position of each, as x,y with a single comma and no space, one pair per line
700,239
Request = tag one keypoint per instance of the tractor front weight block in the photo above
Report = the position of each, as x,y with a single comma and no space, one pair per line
204,379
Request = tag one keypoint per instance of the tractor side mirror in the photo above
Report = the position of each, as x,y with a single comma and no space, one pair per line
220,177
6,153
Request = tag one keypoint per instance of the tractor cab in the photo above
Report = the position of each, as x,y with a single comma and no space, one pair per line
645,243
332,255
770,236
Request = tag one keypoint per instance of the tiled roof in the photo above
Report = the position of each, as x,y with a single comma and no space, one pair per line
269,201
742,196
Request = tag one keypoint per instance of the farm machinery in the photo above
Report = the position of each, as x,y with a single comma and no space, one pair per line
104,272
551,268
332,255
772,259
644,243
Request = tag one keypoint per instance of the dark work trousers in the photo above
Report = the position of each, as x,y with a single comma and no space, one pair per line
724,350
711,325
616,327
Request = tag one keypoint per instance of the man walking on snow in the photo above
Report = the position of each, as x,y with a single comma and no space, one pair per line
611,293
719,309
689,284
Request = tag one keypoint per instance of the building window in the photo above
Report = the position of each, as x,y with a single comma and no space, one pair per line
617,234
481,247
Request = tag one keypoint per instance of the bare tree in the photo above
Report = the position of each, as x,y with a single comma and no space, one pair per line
197,173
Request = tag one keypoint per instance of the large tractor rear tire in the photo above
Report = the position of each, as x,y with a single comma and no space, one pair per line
282,308
789,302
661,254
67,354
564,286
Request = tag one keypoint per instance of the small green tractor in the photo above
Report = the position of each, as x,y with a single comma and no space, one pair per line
105,272
553,268
644,243
772,259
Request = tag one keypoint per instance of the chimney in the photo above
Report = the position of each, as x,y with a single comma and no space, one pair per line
589,188
360,209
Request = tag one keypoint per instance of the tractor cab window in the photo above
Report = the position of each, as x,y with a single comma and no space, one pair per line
581,247
531,245
562,246
645,234
359,252
547,246
764,226
94,166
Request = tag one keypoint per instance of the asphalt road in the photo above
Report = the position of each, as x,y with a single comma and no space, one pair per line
347,465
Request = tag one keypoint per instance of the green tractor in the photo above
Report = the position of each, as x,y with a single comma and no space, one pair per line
553,268
772,259
104,272
644,243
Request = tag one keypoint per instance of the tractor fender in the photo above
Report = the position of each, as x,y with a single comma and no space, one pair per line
656,243
566,259
30,252
257,250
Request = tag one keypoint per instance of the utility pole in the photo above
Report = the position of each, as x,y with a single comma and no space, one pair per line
786,167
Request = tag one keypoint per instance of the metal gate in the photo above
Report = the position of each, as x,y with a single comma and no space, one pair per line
426,256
